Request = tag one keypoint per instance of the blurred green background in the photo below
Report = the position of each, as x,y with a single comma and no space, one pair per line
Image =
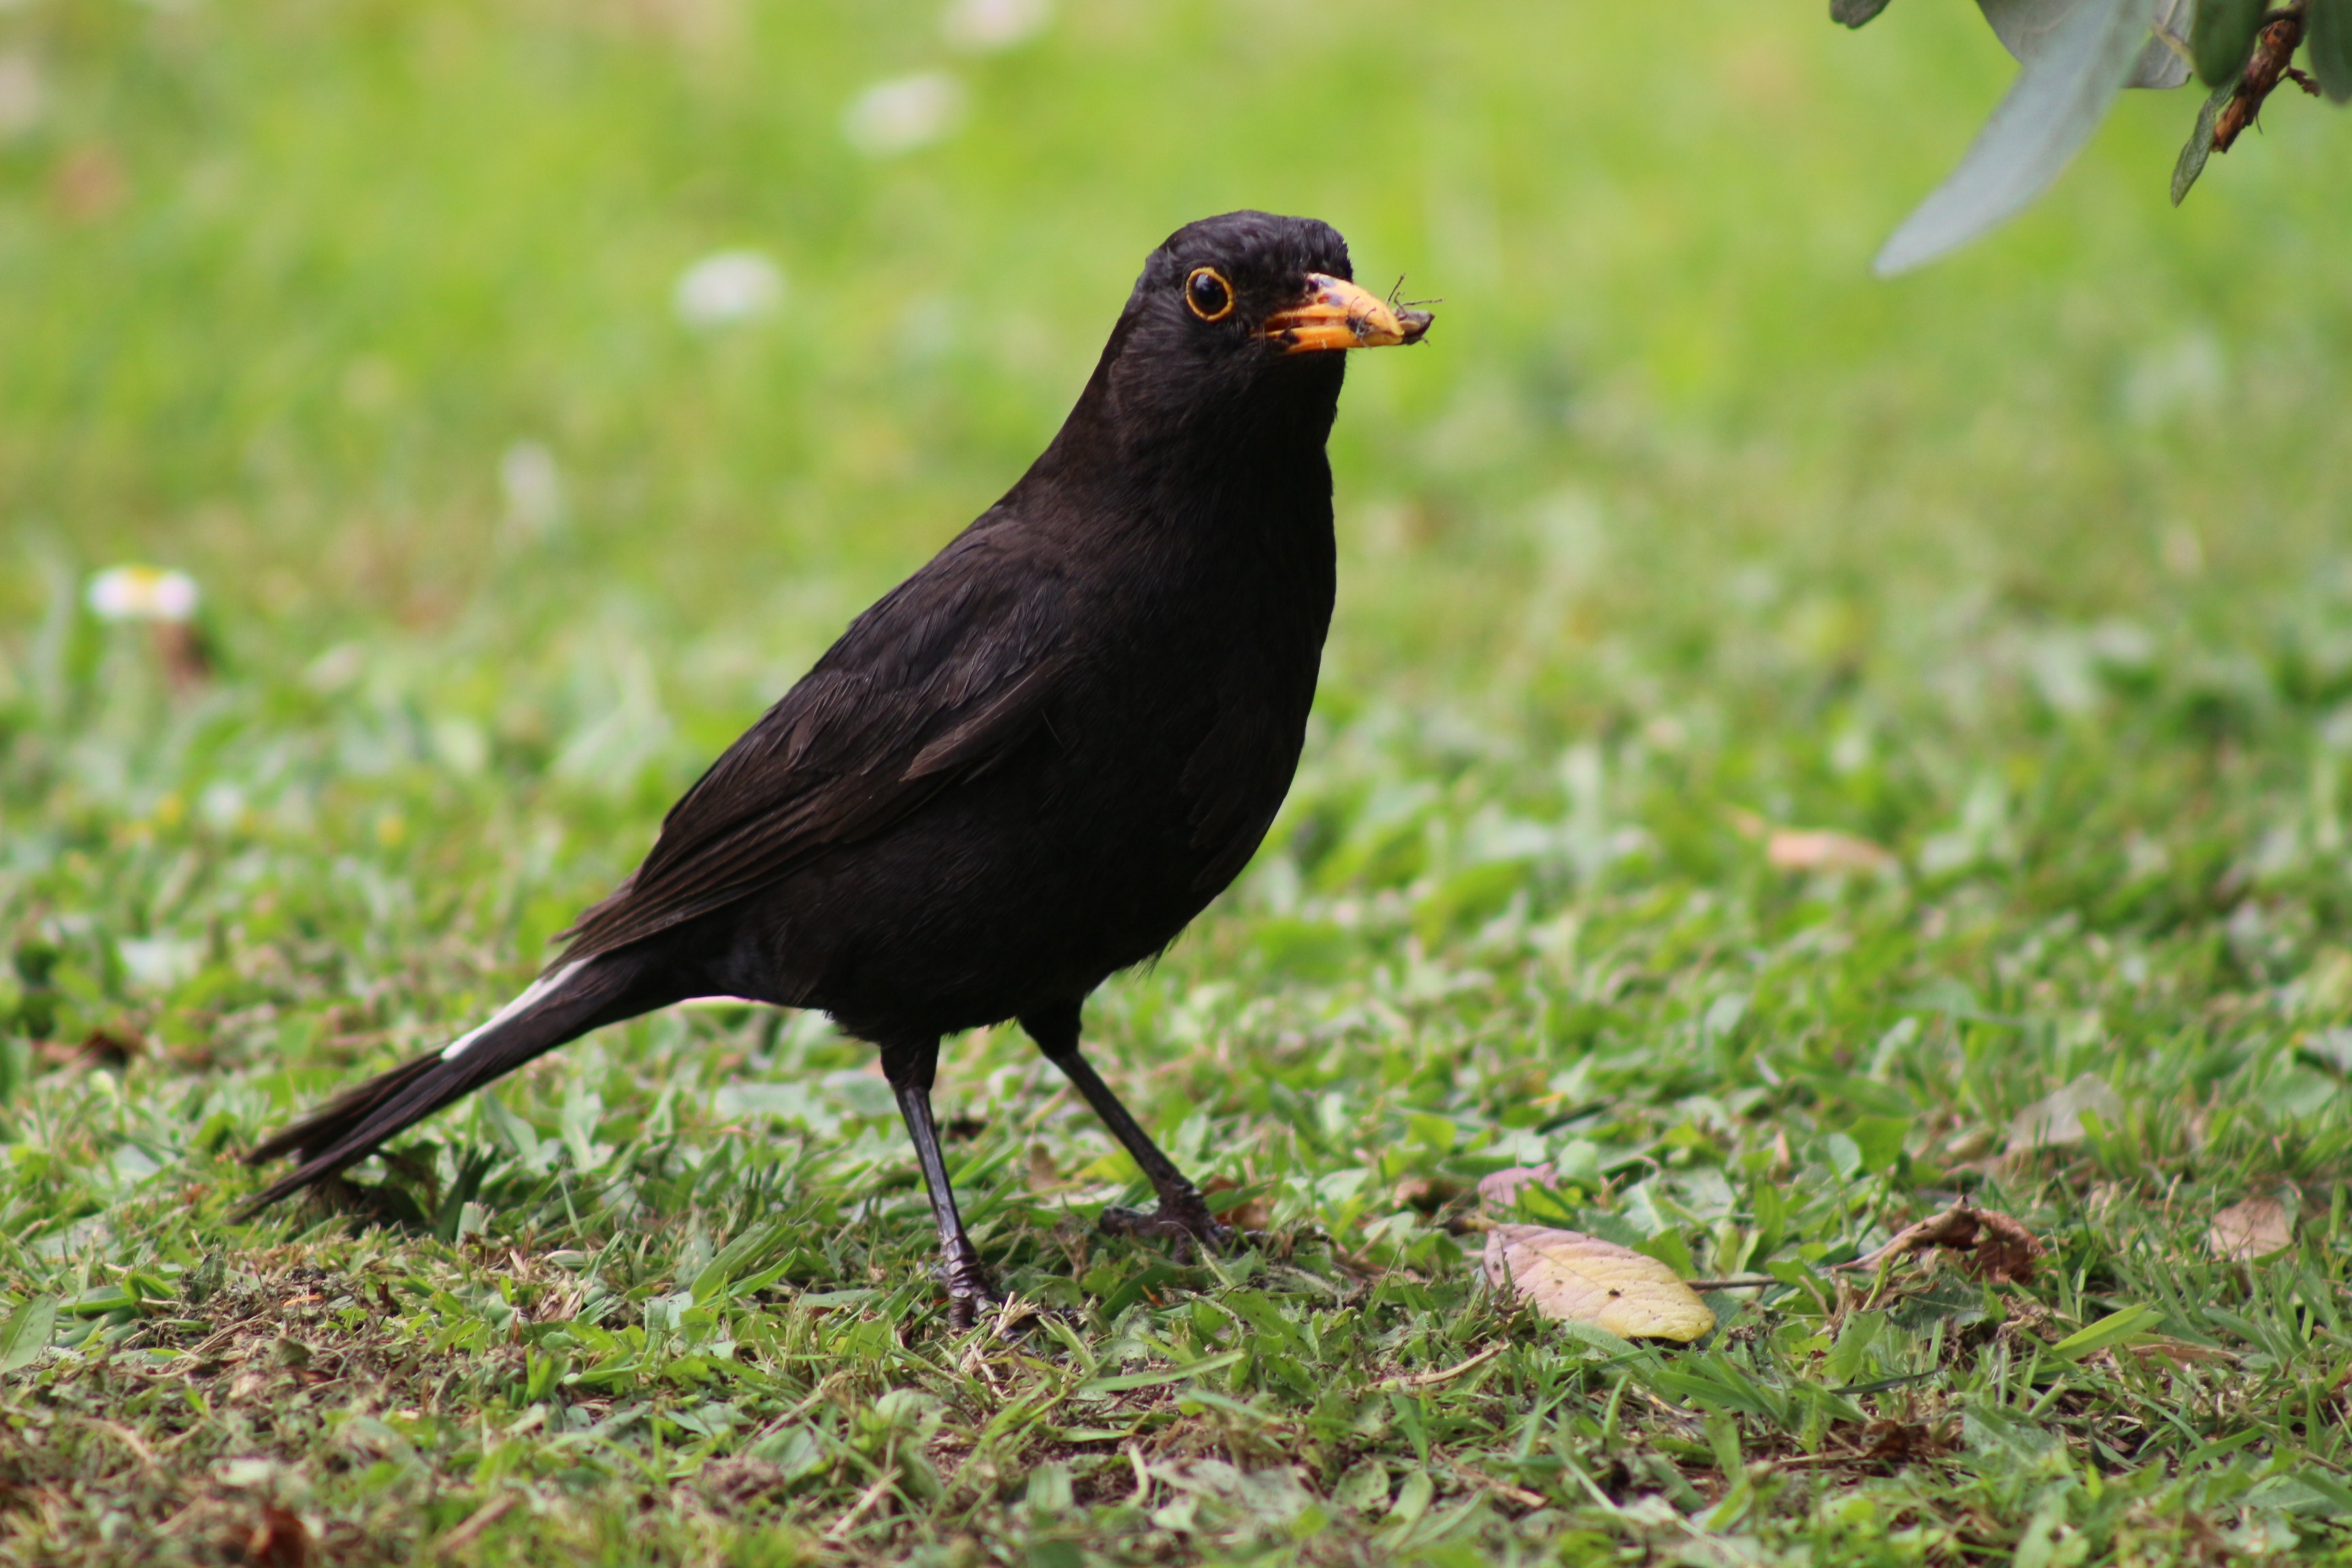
368,317
279,284
2029,572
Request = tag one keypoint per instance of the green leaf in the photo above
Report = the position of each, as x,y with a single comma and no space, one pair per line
2111,1329
1135,1286
2199,146
2332,1493
737,1258
2068,82
449,1221
511,1130
100,1299
1853,1344
26,1333
1476,894
2328,46
2025,26
2222,39
1880,1139
1855,13
1669,1249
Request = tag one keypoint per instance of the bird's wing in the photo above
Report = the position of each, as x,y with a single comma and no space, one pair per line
1235,781
945,675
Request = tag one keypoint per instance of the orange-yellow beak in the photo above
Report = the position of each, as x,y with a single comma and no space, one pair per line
1338,314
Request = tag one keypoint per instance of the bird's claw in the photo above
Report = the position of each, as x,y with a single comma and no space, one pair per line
1176,1222
967,1305
970,1293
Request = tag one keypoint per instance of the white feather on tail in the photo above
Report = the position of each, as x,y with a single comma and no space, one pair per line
539,988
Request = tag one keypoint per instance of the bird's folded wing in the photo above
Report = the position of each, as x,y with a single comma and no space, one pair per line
943,677
1235,783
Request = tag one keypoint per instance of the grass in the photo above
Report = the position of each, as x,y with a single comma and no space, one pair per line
2031,570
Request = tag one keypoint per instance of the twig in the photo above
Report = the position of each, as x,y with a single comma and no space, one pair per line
874,1494
1738,1282
221,1338
1448,1374
1519,1495
470,1528
127,1437
2275,46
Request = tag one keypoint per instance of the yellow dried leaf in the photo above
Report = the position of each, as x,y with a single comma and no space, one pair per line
2254,1229
1585,1279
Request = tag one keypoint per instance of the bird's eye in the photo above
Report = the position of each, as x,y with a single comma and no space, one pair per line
1209,295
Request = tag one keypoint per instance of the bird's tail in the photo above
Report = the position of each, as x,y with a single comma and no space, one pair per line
561,1006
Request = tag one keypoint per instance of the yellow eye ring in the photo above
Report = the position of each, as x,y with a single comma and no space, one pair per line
1207,294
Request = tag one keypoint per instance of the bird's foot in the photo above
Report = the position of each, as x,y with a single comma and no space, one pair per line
967,1307
972,1295
1181,1220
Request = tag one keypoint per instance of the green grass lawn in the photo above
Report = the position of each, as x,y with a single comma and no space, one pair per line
1679,530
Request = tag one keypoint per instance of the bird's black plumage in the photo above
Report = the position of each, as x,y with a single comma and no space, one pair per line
1031,763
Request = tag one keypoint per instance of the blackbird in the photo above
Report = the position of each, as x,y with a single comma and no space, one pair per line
1026,767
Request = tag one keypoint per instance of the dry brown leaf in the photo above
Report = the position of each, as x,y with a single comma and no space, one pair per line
1826,849
1999,1249
1501,1189
1901,1442
1043,1176
281,1540
2006,1252
2254,1229
2179,1353
1249,1215
1585,1279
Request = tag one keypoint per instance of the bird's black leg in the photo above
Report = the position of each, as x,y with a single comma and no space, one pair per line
1182,1216
910,1069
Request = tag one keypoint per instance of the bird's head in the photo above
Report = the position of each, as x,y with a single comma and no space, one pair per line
1242,319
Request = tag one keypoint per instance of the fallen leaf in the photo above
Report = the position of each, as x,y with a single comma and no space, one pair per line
279,1541
1424,1194
1249,1215
1826,849
113,1049
2006,1252
2254,1229
745,1478
1999,1249
2057,1118
2180,1353
1585,1279
1900,1442
1501,1189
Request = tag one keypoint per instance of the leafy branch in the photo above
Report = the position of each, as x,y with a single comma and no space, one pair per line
2076,56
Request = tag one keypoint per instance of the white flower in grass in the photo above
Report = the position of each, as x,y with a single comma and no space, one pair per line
727,286
144,594
903,113
984,26
22,99
533,488
159,964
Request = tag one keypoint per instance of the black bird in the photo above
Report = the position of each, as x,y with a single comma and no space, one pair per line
1028,765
